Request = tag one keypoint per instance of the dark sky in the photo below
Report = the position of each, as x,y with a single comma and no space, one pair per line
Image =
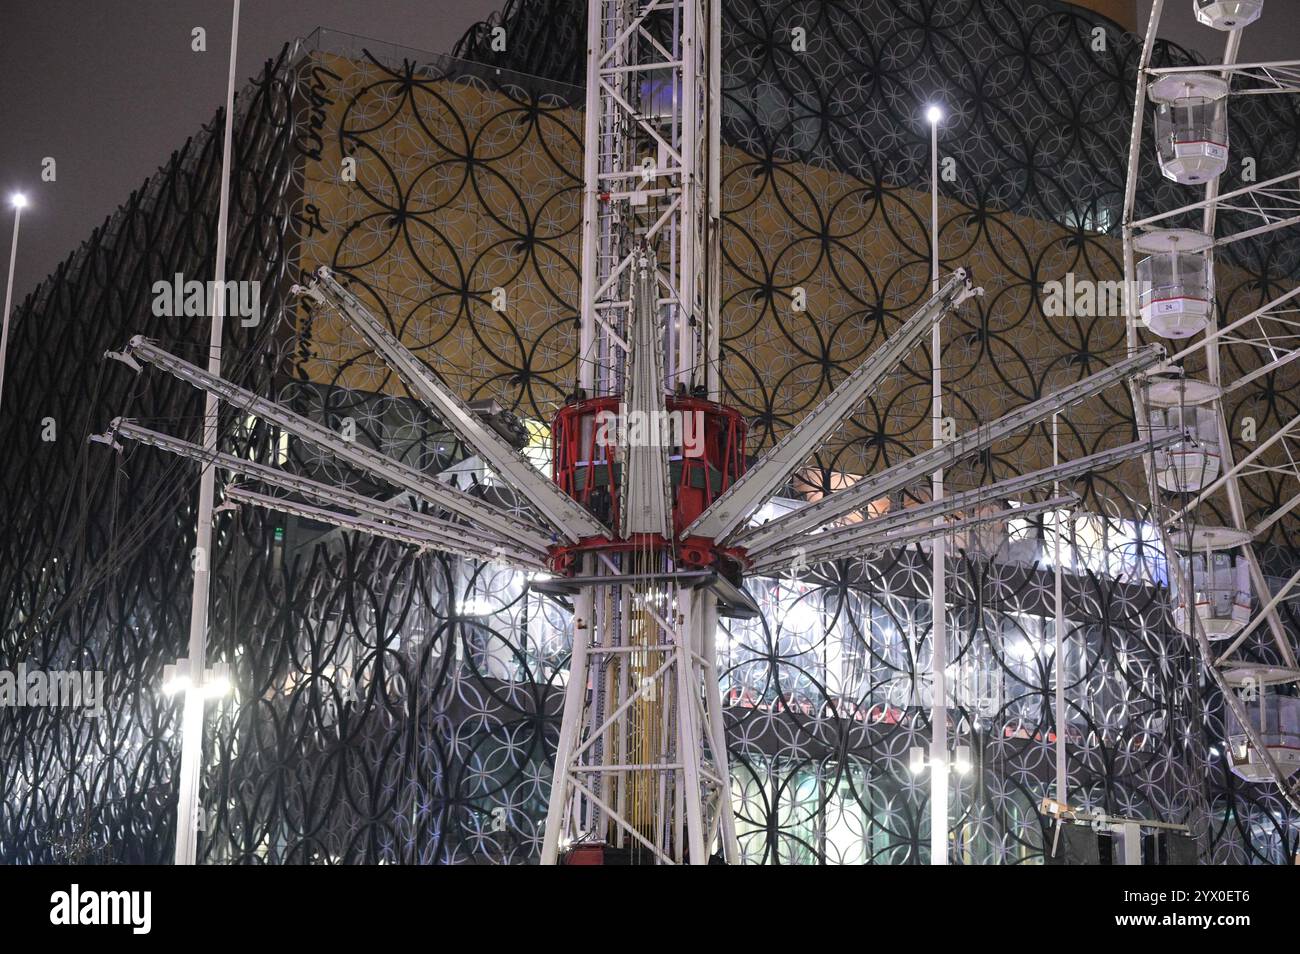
110,87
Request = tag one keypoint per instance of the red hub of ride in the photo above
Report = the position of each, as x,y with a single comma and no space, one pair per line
706,455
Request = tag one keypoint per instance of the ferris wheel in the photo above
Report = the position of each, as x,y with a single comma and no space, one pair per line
1222,492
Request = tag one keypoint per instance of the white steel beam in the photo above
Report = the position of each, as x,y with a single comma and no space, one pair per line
1277,76
1212,201
560,510
386,529
927,531
1281,361
771,472
841,503
664,96
467,541
1262,528
645,499
1275,201
829,544
1235,470
1265,612
495,519
1269,312
1274,219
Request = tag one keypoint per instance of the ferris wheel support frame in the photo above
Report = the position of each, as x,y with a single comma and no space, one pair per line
1210,343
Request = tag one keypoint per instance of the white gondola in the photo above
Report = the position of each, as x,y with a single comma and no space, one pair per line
1183,406
1174,281
1191,126
1219,578
1228,14
1275,716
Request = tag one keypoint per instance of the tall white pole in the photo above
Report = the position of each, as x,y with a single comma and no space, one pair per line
1061,779
939,588
187,804
18,203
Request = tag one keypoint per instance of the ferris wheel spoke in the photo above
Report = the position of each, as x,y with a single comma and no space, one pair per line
1248,199
1279,76
1284,593
1270,313
1244,467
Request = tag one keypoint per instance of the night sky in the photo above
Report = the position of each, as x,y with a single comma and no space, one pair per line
110,87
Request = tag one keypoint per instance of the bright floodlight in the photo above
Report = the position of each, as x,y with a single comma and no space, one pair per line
176,677
216,686
916,760
18,200
933,114
961,759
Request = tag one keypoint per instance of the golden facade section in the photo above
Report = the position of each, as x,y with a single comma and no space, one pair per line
462,229
1123,12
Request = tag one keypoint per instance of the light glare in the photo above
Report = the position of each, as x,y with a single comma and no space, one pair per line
961,759
176,684
216,688
916,761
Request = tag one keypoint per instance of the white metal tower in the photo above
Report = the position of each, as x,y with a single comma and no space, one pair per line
641,763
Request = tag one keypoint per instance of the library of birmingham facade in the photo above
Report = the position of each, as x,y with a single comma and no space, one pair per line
399,706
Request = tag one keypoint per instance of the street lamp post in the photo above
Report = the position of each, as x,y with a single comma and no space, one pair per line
939,588
19,202
188,795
